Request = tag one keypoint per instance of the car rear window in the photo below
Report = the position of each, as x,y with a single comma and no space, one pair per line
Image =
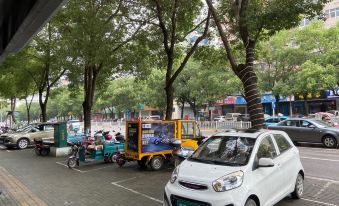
282,142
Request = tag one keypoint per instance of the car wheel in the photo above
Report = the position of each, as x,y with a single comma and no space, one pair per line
250,202
22,143
299,187
329,142
157,162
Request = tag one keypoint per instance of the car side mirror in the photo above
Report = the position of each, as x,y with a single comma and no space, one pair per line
33,130
311,126
265,162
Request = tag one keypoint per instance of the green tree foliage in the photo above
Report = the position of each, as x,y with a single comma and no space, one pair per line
14,81
96,33
66,103
170,24
249,21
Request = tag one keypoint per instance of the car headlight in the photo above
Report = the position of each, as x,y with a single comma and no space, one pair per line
175,174
228,182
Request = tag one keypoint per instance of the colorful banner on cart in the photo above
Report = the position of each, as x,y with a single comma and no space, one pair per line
157,136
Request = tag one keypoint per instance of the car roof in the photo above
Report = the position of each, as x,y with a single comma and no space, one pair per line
250,133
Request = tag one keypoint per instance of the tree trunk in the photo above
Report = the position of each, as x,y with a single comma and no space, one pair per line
91,72
182,109
169,101
277,102
13,104
28,111
249,80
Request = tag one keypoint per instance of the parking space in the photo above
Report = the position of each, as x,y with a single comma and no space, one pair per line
52,182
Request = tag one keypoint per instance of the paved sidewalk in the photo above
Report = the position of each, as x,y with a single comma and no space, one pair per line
16,193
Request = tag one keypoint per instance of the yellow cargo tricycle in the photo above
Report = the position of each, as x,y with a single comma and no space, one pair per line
151,143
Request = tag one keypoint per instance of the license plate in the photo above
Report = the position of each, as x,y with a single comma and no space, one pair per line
186,203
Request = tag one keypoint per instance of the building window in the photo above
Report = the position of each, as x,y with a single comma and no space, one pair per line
332,13
337,12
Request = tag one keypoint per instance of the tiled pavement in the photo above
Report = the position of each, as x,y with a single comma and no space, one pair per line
27,179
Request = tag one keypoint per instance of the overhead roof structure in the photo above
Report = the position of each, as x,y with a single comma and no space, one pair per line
20,20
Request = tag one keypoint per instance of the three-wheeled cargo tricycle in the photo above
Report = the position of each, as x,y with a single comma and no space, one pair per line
88,151
154,142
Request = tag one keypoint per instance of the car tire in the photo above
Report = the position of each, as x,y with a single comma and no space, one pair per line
22,143
250,202
299,187
157,162
329,141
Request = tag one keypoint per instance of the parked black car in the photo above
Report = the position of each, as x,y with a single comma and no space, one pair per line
309,130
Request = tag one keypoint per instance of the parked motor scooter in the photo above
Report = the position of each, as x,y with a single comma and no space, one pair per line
42,148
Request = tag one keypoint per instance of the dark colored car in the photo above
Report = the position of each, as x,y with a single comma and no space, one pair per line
309,130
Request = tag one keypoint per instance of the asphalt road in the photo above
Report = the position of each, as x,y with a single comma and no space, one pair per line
107,184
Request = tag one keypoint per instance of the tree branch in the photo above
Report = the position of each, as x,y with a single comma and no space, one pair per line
127,40
114,13
162,26
191,51
243,28
197,26
223,36
57,78
174,26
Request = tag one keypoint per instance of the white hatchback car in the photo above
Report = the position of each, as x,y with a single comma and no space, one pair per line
249,168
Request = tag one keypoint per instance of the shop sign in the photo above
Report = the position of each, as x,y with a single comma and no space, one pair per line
331,94
219,103
240,100
230,100
267,98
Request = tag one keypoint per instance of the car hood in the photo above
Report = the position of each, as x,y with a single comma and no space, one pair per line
197,172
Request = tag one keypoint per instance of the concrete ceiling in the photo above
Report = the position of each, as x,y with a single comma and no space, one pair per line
20,20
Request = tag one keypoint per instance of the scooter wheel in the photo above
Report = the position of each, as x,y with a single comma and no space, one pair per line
44,152
72,162
108,159
121,162
37,151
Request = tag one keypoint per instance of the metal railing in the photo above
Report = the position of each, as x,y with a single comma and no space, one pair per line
224,125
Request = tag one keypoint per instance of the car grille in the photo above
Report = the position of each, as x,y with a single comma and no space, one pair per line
175,199
193,186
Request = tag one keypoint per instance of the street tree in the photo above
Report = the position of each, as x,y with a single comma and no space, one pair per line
278,60
201,84
172,23
249,21
96,33
47,53
14,82
312,78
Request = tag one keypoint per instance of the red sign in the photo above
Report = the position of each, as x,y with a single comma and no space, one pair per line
230,100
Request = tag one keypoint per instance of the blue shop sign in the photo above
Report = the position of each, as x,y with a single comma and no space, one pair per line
267,98
240,100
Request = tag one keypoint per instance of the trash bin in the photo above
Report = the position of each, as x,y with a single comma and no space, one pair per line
60,134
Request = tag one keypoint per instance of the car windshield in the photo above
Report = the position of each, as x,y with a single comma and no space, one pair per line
225,150
228,115
25,128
